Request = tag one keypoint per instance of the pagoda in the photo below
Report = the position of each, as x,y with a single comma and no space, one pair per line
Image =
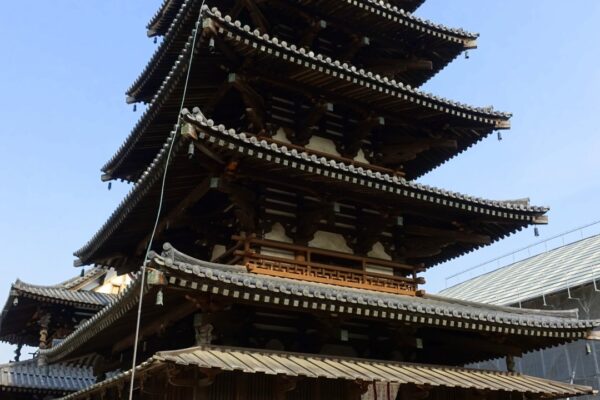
282,140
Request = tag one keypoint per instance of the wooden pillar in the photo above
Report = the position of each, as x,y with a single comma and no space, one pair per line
203,380
510,364
241,386
203,329
357,389
44,323
284,384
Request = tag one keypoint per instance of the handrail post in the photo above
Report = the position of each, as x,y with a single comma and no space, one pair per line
246,249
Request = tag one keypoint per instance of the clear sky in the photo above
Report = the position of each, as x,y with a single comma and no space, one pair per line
66,64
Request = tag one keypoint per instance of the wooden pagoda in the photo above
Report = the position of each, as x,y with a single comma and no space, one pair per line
286,263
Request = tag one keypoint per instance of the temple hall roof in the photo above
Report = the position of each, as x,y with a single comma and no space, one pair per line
25,300
568,266
60,295
57,379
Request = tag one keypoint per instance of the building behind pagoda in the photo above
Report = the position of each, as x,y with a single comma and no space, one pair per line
563,278
282,139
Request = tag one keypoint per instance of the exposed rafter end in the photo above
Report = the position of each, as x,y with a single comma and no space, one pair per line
78,263
130,100
151,32
593,334
540,220
106,177
503,124
470,44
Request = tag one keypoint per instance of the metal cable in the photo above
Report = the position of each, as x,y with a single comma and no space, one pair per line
160,203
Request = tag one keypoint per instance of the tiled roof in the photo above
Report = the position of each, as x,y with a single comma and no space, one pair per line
281,49
382,17
273,363
27,376
137,192
181,17
568,266
436,310
274,153
234,281
121,303
165,16
520,212
351,80
89,276
16,314
53,294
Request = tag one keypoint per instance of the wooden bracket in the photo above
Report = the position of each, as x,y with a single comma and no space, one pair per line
307,121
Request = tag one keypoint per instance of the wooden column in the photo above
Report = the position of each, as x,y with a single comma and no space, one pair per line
284,384
44,323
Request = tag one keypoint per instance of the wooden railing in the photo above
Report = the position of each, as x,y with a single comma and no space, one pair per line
319,265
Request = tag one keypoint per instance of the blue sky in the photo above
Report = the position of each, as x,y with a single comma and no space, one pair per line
66,65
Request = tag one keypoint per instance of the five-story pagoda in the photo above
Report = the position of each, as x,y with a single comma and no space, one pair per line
282,138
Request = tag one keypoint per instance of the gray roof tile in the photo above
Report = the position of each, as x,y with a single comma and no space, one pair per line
562,325
27,376
55,294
